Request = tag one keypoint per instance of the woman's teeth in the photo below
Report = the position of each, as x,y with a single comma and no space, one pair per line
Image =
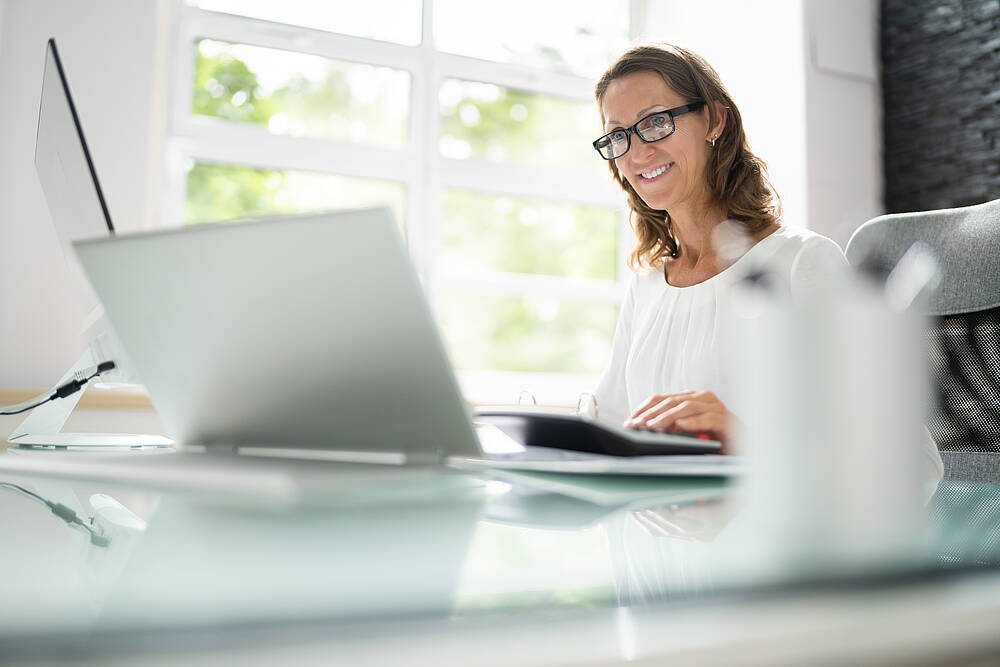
654,173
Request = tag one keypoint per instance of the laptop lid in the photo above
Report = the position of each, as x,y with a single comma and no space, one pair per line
305,332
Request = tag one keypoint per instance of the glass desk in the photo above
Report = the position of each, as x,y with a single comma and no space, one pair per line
261,559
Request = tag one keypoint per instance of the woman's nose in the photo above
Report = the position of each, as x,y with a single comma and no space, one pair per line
641,150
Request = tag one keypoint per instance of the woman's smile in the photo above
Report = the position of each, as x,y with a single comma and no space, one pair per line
656,173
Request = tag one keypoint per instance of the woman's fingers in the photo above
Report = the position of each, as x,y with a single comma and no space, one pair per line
712,423
701,401
685,409
673,405
690,412
655,399
717,426
655,405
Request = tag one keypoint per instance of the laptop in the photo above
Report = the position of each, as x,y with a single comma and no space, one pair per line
309,336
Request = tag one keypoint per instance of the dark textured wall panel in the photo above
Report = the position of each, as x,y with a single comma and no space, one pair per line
941,101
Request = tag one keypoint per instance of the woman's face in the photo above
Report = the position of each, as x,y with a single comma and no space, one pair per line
668,174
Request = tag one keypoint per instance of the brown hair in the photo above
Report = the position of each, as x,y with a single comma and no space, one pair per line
737,179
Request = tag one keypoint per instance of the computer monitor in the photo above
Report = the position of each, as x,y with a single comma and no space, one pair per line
66,172
78,210
76,204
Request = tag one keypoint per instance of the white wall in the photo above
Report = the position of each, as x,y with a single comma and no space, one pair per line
113,56
803,73
843,116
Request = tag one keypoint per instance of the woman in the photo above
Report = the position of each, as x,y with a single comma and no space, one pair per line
674,141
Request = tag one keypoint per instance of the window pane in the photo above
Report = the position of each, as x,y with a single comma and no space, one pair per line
485,121
526,334
300,95
224,192
580,37
388,20
481,231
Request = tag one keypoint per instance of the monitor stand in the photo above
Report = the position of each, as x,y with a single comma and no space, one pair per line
43,426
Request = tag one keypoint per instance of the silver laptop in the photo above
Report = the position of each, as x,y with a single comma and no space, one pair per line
305,336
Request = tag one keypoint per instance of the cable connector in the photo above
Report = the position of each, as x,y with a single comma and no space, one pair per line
68,389
87,374
80,378
64,513
72,518
105,366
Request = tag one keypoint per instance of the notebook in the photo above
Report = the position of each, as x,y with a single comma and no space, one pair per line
306,336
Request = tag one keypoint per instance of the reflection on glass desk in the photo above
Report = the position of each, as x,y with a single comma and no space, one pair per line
370,557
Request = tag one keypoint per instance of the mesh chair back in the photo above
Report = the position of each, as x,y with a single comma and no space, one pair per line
965,370
964,523
965,331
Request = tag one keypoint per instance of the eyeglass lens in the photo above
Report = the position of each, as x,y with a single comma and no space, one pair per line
651,128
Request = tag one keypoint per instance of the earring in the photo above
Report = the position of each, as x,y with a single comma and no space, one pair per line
713,141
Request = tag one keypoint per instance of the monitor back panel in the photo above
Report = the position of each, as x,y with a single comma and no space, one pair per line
67,176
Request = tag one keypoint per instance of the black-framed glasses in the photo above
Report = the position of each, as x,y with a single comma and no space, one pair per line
654,127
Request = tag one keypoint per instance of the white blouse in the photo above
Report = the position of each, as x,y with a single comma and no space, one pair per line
668,338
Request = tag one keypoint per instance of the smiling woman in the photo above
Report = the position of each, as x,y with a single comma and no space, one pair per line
701,205
733,176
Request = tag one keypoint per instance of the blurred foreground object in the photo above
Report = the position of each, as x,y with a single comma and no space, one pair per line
833,387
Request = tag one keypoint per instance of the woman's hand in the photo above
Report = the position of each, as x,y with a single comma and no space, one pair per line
686,412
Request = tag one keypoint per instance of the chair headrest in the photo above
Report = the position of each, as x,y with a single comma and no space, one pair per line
965,241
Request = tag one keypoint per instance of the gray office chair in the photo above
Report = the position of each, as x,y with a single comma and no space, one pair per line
965,336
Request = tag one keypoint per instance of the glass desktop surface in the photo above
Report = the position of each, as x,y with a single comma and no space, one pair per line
372,544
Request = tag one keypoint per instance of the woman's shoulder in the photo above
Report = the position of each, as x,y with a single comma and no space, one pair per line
806,257
800,239
804,247
643,283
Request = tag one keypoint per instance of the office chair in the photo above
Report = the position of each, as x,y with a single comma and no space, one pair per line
965,332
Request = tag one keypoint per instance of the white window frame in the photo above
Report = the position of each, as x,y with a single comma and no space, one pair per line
418,166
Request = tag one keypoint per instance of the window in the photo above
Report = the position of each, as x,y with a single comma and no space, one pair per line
473,123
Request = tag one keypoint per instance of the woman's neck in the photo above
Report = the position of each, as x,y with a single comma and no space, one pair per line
707,245
693,230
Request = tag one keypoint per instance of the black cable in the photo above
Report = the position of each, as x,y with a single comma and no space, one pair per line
68,389
63,512
24,491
